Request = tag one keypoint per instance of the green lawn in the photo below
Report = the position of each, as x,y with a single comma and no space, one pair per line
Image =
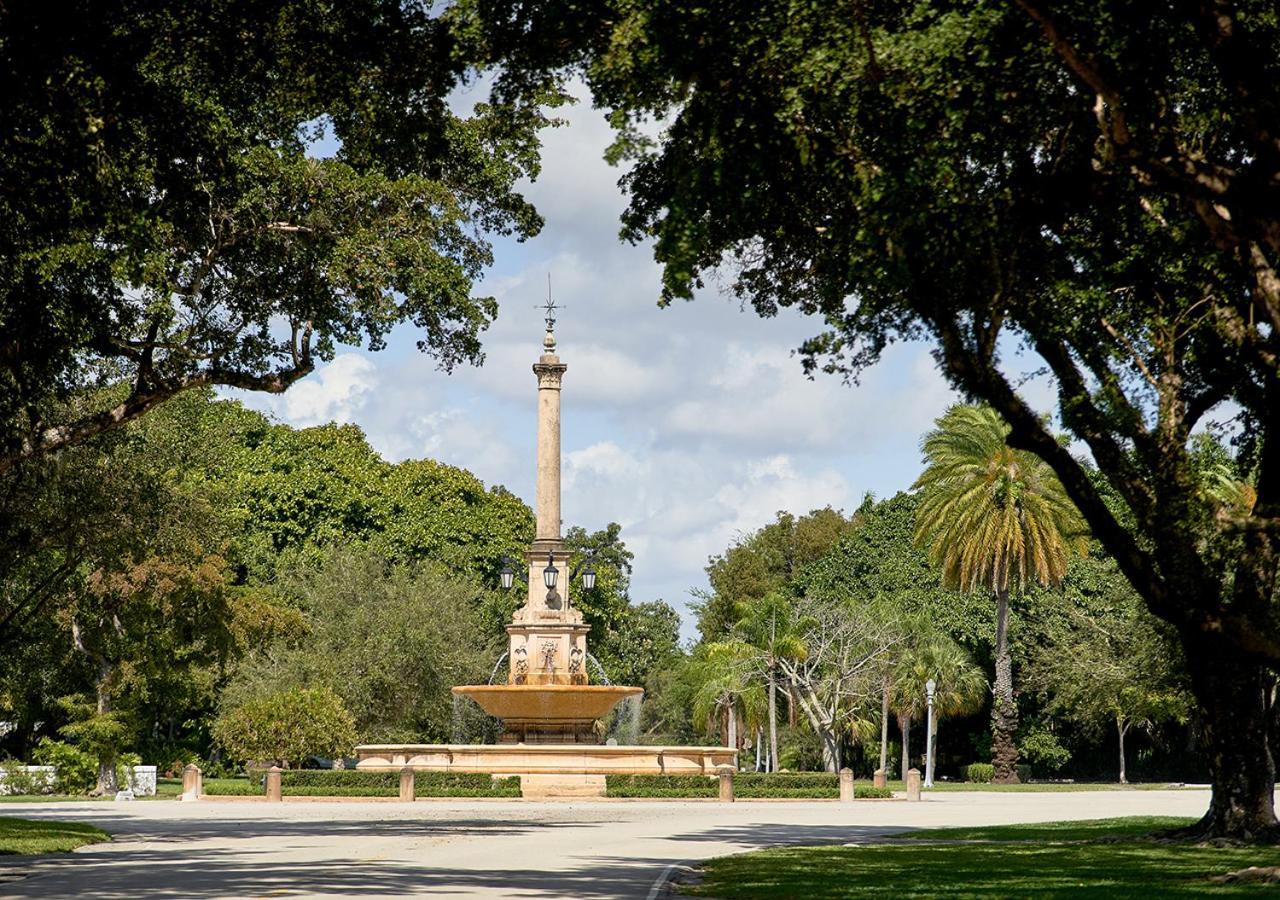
27,836
1103,858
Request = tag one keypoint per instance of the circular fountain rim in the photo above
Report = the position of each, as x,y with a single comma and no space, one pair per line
553,688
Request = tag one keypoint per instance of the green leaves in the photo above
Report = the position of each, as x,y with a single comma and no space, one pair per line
992,517
288,727
166,222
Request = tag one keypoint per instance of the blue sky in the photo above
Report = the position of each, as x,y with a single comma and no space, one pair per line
689,425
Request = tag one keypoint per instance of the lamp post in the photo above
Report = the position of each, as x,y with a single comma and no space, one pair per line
929,687
551,575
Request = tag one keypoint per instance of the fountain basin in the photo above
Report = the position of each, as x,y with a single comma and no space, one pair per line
548,771
552,704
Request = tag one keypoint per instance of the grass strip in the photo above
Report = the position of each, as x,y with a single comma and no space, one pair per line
1102,858
28,836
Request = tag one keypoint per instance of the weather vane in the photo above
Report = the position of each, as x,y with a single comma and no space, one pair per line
550,307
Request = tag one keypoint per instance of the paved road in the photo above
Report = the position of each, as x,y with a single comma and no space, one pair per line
167,849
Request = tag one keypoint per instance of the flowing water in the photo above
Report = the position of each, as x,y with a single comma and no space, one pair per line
604,677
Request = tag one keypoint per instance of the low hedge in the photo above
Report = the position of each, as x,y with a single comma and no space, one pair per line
231,787
871,792
746,785
356,783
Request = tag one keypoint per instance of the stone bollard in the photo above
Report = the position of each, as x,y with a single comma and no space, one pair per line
846,785
406,785
913,784
273,784
726,783
192,782
880,779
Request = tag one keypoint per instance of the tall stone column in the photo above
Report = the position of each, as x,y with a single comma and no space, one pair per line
550,372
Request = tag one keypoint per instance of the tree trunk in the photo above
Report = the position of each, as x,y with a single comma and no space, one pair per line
931,765
884,729
1004,709
904,725
1231,693
830,751
107,784
759,746
733,726
773,721
1121,728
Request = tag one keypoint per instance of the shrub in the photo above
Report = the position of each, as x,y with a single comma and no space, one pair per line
233,787
871,792
1043,750
979,773
1024,773
77,770
287,727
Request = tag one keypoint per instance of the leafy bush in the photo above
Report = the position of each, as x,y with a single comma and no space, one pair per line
871,792
287,727
979,773
232,787
77,770
1043,750
1024,773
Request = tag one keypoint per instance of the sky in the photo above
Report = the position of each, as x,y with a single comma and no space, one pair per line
690,426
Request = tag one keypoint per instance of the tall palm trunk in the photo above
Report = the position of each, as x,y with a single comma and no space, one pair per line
884,728
773,719
932,758
1004,710
904,725
733,725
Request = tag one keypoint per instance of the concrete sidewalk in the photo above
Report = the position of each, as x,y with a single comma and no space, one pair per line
597,849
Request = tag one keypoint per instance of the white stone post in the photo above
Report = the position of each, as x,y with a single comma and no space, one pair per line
192,782
846,785
726,783
913,784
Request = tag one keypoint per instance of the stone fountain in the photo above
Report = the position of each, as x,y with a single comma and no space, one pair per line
548,706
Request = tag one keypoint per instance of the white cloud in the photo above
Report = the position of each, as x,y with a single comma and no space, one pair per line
689,425
335,392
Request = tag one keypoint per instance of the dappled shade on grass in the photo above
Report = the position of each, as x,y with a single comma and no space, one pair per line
27,836
1101,858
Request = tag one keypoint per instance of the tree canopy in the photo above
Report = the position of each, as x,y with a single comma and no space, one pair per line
166,220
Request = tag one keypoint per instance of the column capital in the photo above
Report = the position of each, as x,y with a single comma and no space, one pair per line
550,372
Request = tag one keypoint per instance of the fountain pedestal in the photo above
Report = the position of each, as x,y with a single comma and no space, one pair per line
548,706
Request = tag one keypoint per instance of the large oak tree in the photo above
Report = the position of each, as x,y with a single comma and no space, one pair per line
1093,182
164,224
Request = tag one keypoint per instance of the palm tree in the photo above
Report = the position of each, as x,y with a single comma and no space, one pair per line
996,519
771,626
726,689
959,685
